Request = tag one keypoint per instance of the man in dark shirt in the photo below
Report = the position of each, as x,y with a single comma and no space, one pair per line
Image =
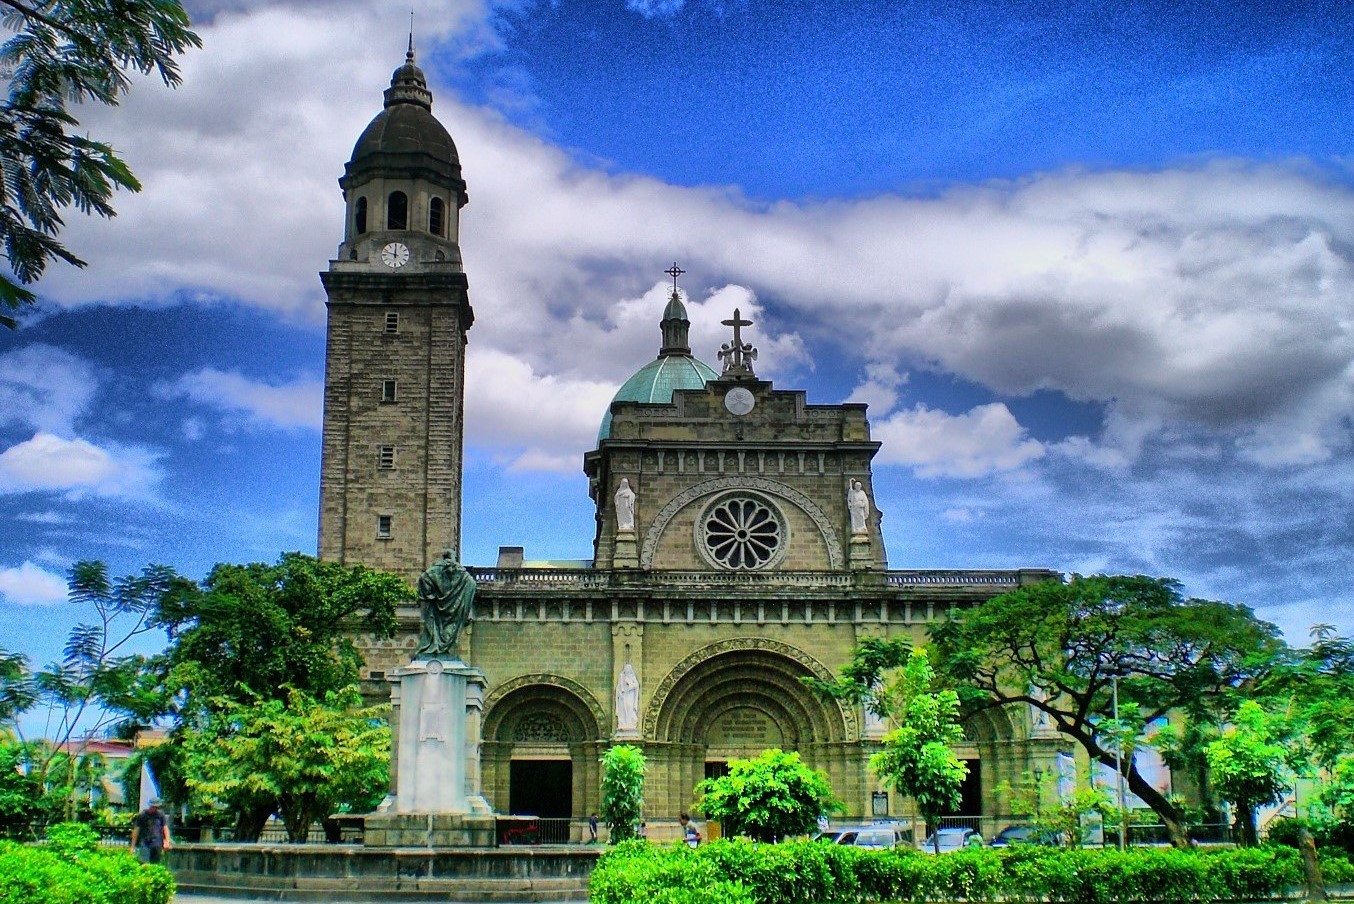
150,830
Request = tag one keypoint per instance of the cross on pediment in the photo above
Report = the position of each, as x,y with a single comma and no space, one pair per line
737,355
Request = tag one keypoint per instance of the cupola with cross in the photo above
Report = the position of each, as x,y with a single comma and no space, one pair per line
697,469
403,187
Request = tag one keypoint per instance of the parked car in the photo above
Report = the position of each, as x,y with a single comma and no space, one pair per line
874,836
951,840
1025,835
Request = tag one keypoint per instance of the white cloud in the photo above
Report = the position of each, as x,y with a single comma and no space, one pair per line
511,407
879,390
30,585
982,441
1213,295
48,463
44,388
296,404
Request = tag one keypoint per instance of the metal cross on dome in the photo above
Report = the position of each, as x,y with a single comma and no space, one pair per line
674,271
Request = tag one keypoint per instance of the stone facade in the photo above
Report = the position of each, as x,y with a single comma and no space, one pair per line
743,572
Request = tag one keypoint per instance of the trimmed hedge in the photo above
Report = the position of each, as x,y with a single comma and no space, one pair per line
742,872
71,869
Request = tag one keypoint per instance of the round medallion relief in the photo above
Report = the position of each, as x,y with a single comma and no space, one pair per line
741,532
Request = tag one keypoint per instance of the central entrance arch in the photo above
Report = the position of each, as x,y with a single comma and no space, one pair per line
735,700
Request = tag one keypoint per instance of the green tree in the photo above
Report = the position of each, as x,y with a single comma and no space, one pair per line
622,791
261,630
769,798
1248,767
66,52
1174,655
97,687
1060,816
918,758
304,756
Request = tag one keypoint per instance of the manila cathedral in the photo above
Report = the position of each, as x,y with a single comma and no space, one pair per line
736,549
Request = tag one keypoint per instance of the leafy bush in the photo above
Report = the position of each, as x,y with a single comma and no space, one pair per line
740,871
622,791
771,797
69,871
637,871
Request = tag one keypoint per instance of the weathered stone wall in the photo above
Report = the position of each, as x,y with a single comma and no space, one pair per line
425,357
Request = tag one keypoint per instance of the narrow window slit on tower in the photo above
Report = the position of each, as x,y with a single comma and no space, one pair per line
392,322
383,526
387,390
397,211
386,458
435,216
360,217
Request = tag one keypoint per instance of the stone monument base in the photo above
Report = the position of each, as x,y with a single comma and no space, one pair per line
859,555
428,830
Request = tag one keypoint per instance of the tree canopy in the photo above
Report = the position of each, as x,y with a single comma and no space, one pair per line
1248,766
1057,647
301,756
770,798
66,52
254,630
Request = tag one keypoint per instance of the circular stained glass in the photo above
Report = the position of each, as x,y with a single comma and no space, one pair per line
742,533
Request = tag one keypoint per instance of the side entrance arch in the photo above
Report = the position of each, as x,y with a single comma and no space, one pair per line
542,742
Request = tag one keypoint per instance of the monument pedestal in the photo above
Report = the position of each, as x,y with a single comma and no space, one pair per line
436,707
859,557
627,550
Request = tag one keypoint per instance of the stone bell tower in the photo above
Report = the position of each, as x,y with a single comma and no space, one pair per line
390,472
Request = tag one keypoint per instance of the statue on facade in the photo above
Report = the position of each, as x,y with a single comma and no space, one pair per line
627,699
625,506
858,503
446,596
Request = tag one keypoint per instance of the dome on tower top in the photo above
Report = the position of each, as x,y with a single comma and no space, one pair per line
405,139
656,382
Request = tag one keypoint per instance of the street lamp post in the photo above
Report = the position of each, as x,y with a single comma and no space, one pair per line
1119,767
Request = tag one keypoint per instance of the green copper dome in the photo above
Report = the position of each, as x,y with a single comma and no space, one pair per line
657,381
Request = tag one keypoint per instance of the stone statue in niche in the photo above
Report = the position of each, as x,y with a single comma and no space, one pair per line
625,506
627,699
1040,721
858,503
446,596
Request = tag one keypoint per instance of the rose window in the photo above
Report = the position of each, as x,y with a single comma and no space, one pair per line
742,533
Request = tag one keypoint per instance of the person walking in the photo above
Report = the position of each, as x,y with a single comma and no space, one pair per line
150,832
592,829
690,834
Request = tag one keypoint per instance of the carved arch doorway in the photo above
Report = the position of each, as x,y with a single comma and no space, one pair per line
736,703
541,750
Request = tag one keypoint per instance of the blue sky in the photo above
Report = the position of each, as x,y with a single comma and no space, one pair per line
1090,264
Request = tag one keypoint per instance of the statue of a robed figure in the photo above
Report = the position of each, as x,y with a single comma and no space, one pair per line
446,597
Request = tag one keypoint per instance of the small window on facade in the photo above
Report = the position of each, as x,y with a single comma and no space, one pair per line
387,458
387,390
383,526
435,216
377,675
392,322
360,220
397,211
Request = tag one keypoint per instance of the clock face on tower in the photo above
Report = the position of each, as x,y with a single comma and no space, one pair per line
739,400
395,255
